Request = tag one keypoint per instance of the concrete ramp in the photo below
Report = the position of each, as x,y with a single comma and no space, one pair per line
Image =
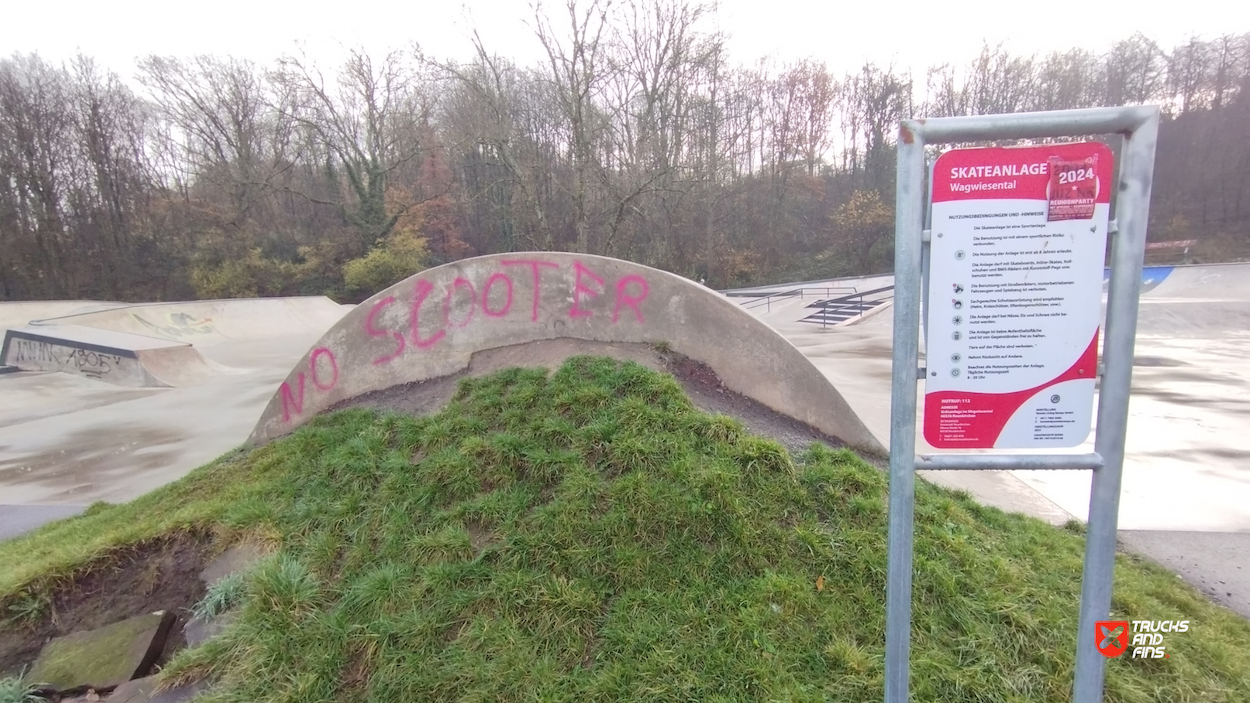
431,325
20,313
212,322
826,303
113,357
1205,301
1210,282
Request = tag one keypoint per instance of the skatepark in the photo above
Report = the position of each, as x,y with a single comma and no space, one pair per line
106,401
74,437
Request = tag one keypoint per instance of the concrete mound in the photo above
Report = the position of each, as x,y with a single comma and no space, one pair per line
431,325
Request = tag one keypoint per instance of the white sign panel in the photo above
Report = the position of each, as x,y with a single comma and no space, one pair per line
1015,290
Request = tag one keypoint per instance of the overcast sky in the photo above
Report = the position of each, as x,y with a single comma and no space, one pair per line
843,34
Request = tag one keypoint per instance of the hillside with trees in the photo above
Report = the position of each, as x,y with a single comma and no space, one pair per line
637,137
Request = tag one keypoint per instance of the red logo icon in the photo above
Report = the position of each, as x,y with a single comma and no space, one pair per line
1111,637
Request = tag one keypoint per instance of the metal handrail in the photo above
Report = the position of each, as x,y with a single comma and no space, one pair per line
853,299
767,300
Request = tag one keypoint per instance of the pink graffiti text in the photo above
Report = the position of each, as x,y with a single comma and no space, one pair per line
293,401
460,302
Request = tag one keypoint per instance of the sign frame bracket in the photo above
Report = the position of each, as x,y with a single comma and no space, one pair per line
1139,127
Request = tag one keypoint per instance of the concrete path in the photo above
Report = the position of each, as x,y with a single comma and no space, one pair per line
1213,562
20,519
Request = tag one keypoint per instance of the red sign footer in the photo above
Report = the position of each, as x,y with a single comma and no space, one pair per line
985,414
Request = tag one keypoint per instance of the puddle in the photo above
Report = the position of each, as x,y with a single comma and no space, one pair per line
1156,361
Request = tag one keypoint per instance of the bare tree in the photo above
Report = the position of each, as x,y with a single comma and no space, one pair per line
365,125
577,68
38,145
483,112
634,135
232,128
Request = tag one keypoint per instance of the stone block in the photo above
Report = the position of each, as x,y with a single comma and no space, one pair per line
198,631
235,559
143,691
105,657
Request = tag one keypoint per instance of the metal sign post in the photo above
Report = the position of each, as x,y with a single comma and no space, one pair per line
1139,127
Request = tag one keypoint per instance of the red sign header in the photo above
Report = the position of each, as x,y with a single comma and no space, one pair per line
1058,172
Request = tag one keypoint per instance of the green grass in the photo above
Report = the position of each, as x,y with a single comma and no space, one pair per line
592,536
14,690
222,595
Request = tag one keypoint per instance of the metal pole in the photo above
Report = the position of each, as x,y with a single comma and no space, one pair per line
1035,125
1009,462
1127,253
924,260
909,219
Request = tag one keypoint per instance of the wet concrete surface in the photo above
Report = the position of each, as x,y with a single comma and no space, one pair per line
1187,442
1187,446
34,396
1213,562
120,450
19,519
67,441
91,463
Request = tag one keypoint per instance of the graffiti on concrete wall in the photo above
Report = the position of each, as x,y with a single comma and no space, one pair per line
434,314
45,356
177,324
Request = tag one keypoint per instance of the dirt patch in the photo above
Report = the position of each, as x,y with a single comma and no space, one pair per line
480,537
699,381
430,395
708,394
414,398
161,575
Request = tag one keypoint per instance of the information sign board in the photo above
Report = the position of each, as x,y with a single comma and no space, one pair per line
1015,289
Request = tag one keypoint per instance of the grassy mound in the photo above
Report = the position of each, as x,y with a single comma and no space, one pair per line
590,535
